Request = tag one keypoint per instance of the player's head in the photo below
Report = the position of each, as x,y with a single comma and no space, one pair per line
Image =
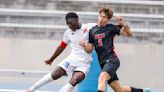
105,14
72,20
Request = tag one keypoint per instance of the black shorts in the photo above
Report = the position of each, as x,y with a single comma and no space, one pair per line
110,66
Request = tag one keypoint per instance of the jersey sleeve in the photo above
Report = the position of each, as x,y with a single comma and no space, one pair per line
86,37
116,29
87,27
91,25
66,38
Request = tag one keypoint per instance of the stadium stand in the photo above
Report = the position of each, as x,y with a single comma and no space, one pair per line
149,7
145,14
50,24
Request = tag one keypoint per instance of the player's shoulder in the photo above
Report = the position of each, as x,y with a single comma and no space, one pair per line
94,29
68,31
112,26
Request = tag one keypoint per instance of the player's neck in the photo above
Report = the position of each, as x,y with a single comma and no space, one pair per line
79,26
100,25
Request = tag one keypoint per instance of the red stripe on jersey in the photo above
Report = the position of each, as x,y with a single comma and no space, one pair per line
63,44
115,55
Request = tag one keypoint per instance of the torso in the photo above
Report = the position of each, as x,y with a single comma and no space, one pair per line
103,41
73,38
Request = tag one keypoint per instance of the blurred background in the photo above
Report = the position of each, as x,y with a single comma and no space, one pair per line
30,31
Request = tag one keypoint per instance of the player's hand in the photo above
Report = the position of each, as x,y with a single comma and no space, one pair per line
48,62
82,43
119,20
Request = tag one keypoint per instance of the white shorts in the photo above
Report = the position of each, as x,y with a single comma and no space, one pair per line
70,64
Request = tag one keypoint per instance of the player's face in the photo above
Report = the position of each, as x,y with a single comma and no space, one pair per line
102,19
72,23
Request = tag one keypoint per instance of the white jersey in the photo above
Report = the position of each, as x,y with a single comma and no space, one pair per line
73,38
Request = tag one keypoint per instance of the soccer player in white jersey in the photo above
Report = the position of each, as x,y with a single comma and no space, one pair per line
77,63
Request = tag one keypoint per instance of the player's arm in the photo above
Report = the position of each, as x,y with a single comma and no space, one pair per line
58,51
125,30
88,47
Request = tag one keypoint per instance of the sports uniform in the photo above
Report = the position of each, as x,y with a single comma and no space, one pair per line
102,39
79,59
77,63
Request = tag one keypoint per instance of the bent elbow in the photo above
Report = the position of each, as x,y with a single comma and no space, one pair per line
89,50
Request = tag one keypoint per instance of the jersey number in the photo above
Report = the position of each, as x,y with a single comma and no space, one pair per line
99,37
100,42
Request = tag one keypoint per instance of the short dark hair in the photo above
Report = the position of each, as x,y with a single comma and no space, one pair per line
108,12
71,15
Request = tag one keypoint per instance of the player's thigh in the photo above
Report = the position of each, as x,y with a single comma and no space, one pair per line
104,76
116,86
67,66
63,68
111,66
77,77
80,72
83,67
58,72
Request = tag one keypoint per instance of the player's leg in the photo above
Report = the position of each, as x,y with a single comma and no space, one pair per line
109,69
116,86
77,77
102,81
57,73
